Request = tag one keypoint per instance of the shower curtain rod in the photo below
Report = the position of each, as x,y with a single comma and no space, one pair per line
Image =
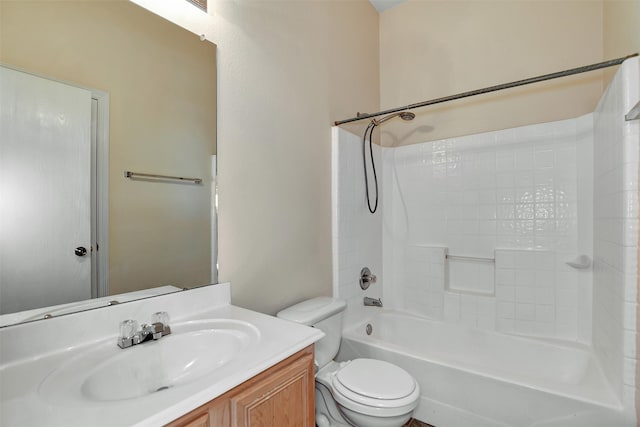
564,73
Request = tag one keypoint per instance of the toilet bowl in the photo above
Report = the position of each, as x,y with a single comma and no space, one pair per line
359,392
369,392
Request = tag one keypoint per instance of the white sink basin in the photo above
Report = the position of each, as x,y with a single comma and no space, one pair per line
191,352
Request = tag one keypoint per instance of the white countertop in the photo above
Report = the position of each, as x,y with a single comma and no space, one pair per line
30,352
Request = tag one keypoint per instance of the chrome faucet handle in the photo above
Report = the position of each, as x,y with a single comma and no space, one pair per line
128,333
153,329
366,278
162,317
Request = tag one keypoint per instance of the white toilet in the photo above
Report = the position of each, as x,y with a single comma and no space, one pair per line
360,392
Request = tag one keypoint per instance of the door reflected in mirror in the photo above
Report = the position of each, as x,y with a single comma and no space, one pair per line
145,233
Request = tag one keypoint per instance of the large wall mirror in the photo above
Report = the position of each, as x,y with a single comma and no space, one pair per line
152,97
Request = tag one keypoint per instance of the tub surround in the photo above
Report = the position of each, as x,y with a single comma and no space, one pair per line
518,201
522,203
616,224
30,352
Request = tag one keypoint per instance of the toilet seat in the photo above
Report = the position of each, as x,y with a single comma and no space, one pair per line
374,387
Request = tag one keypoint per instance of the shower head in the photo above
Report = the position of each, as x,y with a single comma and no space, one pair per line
404,115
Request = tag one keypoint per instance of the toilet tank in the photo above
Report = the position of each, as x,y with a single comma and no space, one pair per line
324,313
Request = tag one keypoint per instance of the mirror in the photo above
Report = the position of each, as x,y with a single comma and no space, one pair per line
159,81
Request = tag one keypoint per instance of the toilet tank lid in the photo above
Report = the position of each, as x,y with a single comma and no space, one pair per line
312,310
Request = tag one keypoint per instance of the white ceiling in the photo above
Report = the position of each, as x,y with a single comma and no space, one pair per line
382,5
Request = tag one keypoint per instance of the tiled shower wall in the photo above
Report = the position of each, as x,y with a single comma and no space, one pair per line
521,197
528,200
616,231
357,241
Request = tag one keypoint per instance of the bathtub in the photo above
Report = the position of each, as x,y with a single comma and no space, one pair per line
479,378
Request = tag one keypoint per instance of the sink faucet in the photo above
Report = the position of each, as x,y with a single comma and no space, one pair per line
130,335
374,302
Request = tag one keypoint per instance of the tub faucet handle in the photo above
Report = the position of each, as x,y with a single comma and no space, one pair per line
366,278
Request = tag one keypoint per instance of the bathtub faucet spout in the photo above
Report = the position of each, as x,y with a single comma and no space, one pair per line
372,302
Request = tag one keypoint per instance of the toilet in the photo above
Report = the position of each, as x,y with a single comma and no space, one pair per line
359,392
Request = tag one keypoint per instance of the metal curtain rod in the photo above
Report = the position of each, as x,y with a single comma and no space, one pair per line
129,174
564,73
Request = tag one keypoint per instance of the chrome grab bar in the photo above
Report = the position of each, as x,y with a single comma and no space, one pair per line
470,258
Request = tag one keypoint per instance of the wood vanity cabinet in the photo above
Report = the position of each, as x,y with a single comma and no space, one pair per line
281,396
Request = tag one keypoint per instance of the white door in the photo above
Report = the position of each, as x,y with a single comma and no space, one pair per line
45,211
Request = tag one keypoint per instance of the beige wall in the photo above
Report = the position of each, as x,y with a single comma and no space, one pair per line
439,48
161,82
287,70
621,30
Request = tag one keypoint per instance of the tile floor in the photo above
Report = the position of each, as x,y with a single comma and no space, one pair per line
415,423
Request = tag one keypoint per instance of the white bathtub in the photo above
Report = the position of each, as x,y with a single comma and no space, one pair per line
472,377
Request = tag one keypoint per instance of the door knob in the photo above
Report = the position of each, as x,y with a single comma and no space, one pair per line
81,251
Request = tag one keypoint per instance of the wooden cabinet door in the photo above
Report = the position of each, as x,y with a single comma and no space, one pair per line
196,418
201,421
283,398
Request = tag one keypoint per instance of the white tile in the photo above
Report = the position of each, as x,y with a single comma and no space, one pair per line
506,310
566,316
507,326
506,293
566,297
566,331
545,313
505,160
525,294
629,316
468,319
525,278
525,180
468,304
544,279
629,344
545,329
545,261
525,311
486,306
629,371
629,396
505,277
526,260
630,293
524,159
545,295
452,299
526,327
486,322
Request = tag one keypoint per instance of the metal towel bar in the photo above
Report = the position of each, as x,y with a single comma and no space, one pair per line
129,174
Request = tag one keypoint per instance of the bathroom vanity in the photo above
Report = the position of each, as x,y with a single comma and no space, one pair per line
280,396
221,365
